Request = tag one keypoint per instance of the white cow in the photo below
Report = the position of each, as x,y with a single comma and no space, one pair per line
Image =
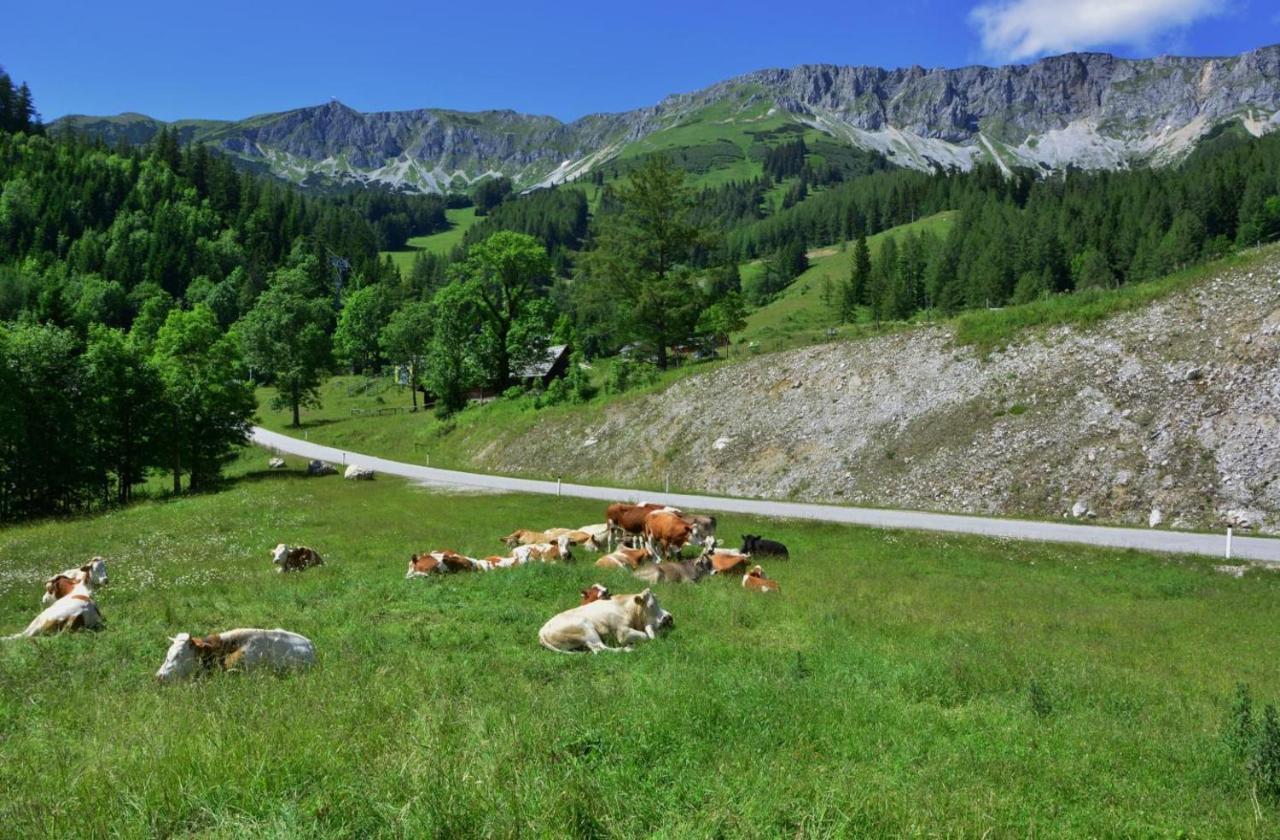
627,618
245,649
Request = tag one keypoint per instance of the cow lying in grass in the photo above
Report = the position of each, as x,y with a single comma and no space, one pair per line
245,649
441,562
594,592
547,552
760,547
75,610
689,571
724,561
757,582
623,558
626,618
294,559
92,574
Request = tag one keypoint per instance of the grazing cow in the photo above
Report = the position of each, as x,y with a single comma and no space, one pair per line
757,582
245,649
627,618
665,533
295,559
442,562
548,552
74,611
760,547
623,519
523,536
93,574
690,571
594,592
355,473
623,558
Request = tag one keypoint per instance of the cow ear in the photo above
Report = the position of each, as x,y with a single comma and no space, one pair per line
639,599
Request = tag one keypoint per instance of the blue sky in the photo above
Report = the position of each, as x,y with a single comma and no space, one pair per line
234,59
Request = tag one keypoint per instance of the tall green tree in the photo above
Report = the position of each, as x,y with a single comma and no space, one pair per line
855,290
634,270
405,339
284,338
504,274
449,366
125,409
356,340
210,407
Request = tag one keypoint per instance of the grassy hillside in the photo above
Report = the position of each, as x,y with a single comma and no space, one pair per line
460,219
799,314
954,685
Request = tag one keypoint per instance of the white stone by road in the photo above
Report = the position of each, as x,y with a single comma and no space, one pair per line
1213,545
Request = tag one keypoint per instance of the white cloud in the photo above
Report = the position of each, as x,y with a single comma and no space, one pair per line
1018,29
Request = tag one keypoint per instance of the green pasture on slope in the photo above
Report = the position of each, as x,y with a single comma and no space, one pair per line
903,683
442,243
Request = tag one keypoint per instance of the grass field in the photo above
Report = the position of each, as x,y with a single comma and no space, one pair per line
460,220
902,684
799,315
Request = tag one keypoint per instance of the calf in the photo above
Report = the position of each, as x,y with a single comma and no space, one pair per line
245,649
666,533
760,547
757,582
295,559
74,611
558,551
690,571
726,560
623,558
627,618
93,574
594,592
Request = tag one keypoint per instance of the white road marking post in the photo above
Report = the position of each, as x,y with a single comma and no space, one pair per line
557,487
1228,542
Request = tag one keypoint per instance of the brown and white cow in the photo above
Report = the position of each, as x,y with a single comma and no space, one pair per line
594,592
74,611
623,558
523,536
625,519
243,649
93,574
559,551
665,533
757,582
290,559
442,562
724,560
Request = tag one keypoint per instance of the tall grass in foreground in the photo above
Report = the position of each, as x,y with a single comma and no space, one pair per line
903,683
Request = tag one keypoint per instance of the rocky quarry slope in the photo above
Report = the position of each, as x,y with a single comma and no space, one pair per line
1168,415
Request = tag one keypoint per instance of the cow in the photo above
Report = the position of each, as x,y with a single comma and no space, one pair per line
724,560
496,561
74,611
627,618
290,559
759,547
523,536
623,558
623,519
599,536
594,592
702,527
755,581
689,571
244,649
548,552
93,574
665,533
442,562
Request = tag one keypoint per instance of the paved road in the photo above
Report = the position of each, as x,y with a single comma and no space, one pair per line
1213,545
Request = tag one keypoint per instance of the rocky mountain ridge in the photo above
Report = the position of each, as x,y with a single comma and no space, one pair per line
1090,110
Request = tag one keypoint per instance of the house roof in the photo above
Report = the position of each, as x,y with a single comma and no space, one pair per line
543,366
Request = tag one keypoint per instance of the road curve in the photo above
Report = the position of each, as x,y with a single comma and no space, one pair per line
1259,549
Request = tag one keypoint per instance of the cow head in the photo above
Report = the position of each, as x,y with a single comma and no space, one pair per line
95,571
183,658
564,542
594,592
651,612
756,572
279,554
748,543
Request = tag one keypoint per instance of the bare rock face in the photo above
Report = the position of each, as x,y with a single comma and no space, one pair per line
1100,420
1091,110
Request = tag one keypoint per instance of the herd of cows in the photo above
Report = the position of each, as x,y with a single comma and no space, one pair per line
646,539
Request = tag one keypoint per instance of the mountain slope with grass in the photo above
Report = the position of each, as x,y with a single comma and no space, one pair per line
1088,110
1157,402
